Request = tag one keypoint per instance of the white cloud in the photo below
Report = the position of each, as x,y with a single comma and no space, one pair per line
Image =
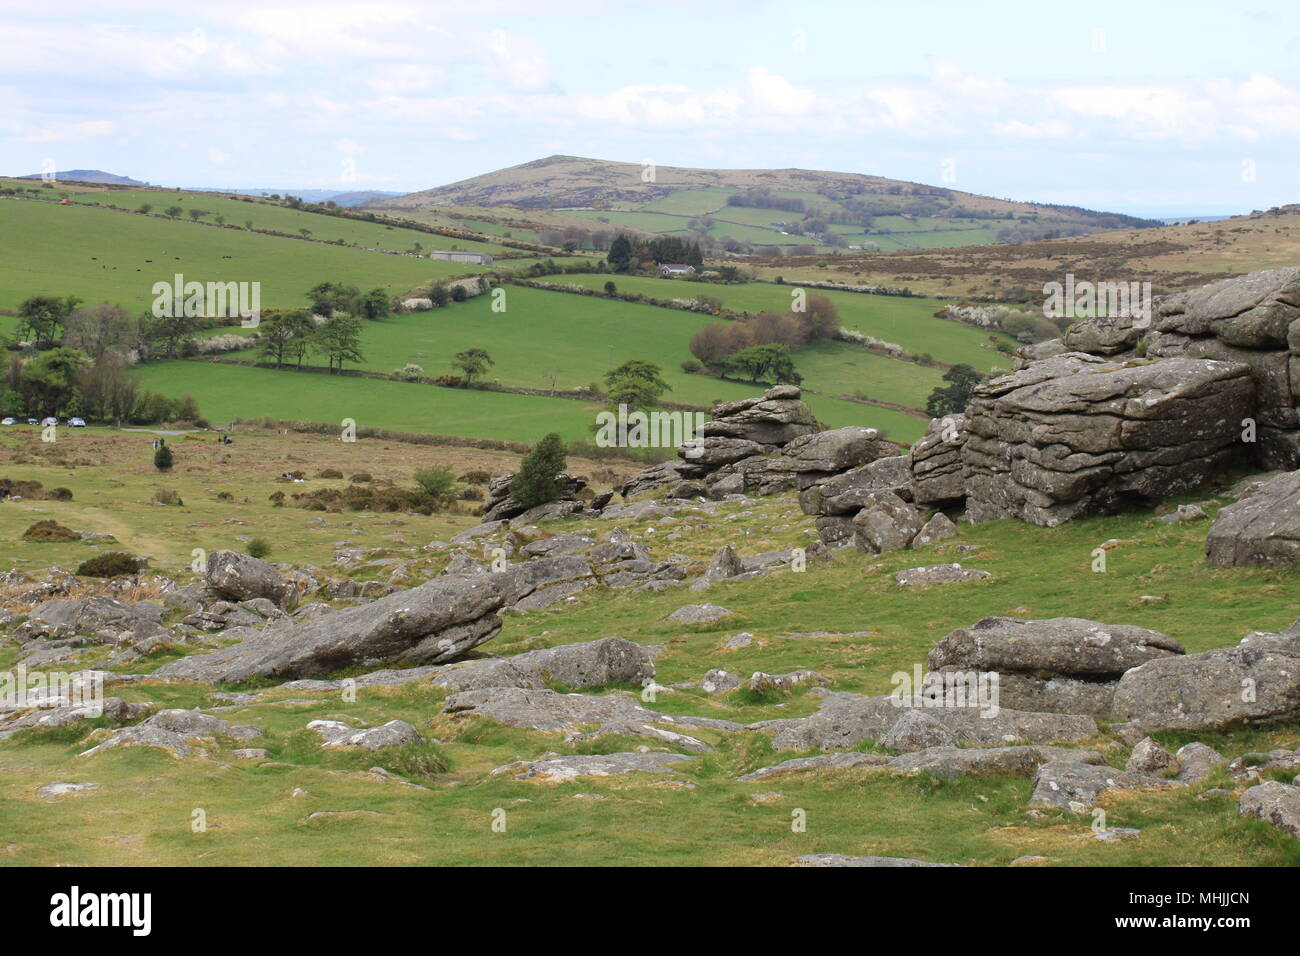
71,132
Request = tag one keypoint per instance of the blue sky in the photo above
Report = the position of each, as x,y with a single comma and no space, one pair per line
1152,108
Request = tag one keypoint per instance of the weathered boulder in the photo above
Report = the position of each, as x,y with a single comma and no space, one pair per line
698,614
564,769
395,733
777,418
1056,647
845,493
1262,529
1252,311
1075,786
949,762
434,623
937,472
845,720
499,506
917,730
103,617
852,760
610,660
1255,683
1149,757
939,526
1196,761
938,574
241,577
885,523
1274,802
1075,435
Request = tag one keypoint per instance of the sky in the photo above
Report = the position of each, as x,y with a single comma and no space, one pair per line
1146,107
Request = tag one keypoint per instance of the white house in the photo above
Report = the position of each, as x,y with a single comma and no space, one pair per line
675,269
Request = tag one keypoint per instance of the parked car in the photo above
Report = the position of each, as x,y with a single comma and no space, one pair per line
8,421
77,422
32,421
49,421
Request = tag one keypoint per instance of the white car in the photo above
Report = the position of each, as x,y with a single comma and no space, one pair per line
77,422
49,421
32,421
8,421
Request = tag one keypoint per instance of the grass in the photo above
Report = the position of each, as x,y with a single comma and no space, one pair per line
104,256
575,339
254,819
909,322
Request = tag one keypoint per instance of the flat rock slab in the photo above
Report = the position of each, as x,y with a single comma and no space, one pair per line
1274,802
52,791
938,574
844,761
1056,647
698,614
845,720
545,710
395,733
1075,786
836,859
563,769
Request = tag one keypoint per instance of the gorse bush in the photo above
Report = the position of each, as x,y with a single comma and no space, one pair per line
110,564
436,480
259,548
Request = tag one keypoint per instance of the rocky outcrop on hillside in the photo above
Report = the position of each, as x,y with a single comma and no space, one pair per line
499,506
1076,435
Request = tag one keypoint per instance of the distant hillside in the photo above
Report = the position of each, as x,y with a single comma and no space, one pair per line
88,176
348,199
566,182
756,211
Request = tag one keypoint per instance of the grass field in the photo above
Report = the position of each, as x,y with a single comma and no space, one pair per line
909,322
700,815
106,256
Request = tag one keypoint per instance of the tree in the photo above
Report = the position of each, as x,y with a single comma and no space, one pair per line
953,399
472,363
760,363
537,480
375,304
274,335
620,254
340,340
162,458
820,319
610,288
48,382
168,336
636,384
436,480
328,298
99,328
439,295
173,212
42,317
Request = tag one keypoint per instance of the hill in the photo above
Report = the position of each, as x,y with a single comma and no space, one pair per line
88,176
739,209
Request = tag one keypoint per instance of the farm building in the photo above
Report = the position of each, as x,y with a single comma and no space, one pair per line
675,269
473,258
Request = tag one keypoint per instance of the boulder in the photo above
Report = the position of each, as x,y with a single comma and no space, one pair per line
1274,802
564,769
1196,761
1056,647
1078,435
395,733
698,614
1255,683
852,760
1149,757
434,623
950,762
1260,530
846,720
845,493
241,577
610,660
939,526
938,574
917,730
1075,786
885,523
98,616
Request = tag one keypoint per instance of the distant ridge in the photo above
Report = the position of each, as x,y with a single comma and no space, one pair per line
96,176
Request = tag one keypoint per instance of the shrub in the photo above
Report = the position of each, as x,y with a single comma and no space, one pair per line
537,480
476,477
50,531
361,477
329,473
690,366
259,548
165,496
162,458
110,564
437,480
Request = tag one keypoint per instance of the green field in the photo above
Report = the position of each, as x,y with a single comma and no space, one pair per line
909,322
104,256
272,216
